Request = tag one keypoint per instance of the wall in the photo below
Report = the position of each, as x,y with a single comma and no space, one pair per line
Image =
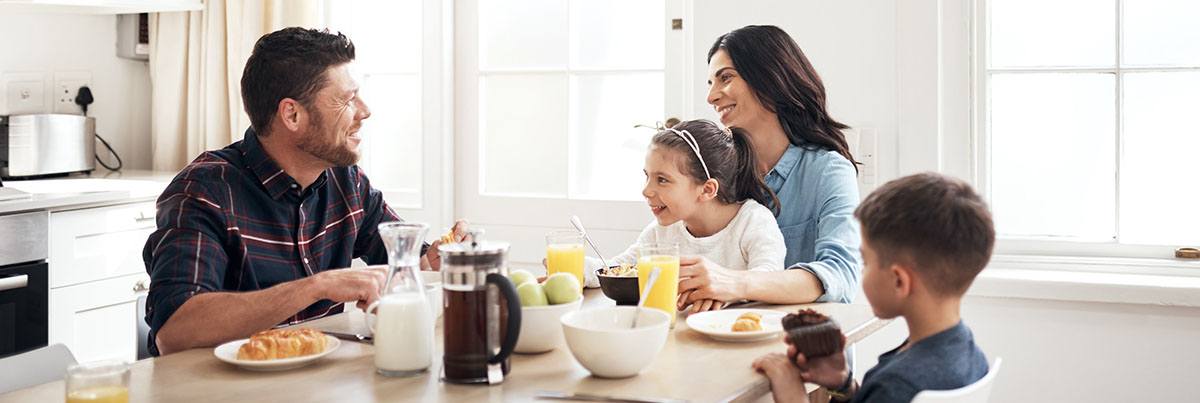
46,43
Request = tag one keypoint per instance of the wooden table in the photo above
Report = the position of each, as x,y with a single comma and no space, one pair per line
691,366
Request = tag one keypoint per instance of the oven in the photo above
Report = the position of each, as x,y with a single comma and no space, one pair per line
24,282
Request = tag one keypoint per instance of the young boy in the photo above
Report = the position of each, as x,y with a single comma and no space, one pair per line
925,238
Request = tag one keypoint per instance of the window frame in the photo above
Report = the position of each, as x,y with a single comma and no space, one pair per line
1027,249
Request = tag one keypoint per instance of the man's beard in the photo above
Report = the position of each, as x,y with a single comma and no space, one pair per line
318,144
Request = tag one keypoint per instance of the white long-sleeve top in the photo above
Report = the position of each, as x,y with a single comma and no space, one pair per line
751,241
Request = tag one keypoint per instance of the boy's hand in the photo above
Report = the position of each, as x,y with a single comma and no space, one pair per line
828,371
786,383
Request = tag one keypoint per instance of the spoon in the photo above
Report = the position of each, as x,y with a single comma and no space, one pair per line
579,227
645,290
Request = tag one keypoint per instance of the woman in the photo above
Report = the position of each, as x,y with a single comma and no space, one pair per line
761,82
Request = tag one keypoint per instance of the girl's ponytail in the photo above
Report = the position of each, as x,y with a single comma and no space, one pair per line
746,181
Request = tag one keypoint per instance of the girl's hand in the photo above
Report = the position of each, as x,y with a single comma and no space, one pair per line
702,279
828,371
787,385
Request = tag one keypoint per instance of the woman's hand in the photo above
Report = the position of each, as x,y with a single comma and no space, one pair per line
701,279
434,258
704,305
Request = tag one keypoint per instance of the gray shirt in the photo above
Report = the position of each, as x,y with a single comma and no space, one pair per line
947,360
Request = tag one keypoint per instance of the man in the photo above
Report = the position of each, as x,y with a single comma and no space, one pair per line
252,235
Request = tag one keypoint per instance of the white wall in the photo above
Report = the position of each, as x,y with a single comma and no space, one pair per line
46,43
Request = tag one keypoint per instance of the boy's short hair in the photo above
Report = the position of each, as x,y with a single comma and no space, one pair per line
936,223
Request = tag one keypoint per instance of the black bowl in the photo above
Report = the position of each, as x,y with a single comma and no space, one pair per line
622,289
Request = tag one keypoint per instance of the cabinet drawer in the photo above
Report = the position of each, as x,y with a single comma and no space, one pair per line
98,320
98,243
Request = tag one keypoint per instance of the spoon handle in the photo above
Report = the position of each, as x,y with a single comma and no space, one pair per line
650,279
579,227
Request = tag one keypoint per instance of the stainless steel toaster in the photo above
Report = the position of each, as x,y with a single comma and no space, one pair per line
46,144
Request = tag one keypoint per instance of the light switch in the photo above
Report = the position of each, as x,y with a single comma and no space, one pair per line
24,93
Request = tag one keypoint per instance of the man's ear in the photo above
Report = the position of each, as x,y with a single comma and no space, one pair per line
291,114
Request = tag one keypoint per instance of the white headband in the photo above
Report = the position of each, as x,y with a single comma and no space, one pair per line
687,138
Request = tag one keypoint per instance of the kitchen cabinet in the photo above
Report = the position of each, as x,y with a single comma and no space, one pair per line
101,6
96,277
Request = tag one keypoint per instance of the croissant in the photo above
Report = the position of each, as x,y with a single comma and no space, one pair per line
282,343
748,322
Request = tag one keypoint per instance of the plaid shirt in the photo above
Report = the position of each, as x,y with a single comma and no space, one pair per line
232,220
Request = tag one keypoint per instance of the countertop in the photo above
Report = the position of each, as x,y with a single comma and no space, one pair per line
83,191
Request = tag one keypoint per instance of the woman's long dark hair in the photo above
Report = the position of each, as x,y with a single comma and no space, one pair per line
729,157
786,84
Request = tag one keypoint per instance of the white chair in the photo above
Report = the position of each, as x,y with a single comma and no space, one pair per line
977,392
35,367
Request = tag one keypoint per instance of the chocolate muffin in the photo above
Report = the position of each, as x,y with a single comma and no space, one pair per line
813,334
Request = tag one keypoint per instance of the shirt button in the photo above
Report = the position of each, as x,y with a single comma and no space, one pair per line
305,260
295,186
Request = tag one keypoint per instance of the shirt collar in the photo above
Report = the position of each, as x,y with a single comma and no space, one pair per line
787,163
269,174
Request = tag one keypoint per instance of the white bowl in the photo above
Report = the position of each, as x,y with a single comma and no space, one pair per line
540,328
601,340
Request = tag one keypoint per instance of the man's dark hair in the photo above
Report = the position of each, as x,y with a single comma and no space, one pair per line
934,222
289,63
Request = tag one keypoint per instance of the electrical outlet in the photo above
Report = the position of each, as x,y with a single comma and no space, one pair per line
24,93
66,87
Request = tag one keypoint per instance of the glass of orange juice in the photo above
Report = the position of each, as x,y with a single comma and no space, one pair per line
564,253
664,256
98,382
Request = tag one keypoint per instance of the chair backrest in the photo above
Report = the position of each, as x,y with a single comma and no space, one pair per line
977,392
35,367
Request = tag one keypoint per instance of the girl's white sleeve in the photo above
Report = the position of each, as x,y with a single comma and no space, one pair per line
629,256
762,243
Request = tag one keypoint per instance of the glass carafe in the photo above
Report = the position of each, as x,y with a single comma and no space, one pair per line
403,323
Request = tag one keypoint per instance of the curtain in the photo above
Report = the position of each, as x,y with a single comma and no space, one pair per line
196,62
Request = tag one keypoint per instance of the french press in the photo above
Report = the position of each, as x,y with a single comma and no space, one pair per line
482,316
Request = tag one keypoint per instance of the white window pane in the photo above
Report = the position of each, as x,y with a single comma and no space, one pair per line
1158,170
607,152
386,33
614,34
392,148
526,34
1161,33
1040,33
1053,160
523,128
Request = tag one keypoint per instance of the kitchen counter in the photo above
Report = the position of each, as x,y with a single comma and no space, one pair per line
84,191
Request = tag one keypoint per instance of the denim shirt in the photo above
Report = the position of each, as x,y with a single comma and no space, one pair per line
818,191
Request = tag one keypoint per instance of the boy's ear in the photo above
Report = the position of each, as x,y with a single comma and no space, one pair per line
903,278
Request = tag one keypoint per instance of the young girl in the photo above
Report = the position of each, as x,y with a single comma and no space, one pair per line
705,195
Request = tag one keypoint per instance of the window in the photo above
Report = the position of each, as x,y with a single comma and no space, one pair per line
388,40
572,77
1089,123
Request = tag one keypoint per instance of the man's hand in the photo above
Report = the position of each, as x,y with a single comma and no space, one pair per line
433,258
828,371
345,285
787,385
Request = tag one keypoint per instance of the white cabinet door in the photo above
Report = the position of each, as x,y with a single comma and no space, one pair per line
98,243
98,320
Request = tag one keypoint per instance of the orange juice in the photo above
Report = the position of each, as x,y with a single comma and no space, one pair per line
565,258
99,394
662,295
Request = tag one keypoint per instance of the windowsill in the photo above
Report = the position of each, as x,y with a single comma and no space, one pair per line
1160,282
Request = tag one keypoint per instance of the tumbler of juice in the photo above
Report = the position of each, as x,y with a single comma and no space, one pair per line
663,293
564,254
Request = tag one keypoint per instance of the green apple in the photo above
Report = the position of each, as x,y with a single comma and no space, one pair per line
531,294
561,288
519,277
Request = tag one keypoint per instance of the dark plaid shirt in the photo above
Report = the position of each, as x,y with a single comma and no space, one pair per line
232,220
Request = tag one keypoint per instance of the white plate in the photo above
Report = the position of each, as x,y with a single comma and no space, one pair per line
717,324
228,352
